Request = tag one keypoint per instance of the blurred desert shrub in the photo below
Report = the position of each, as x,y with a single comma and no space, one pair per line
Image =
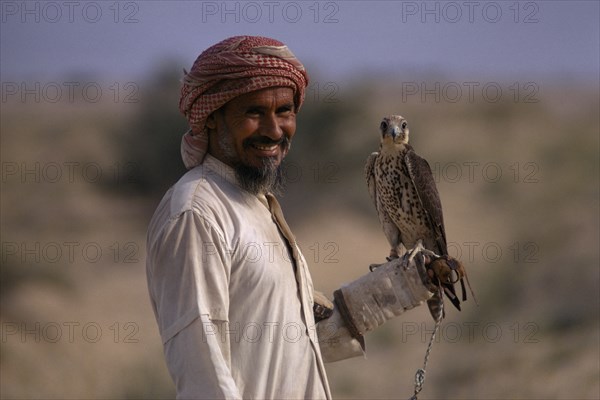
327,152
149,141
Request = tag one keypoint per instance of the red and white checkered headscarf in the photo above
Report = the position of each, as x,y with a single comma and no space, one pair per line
235,66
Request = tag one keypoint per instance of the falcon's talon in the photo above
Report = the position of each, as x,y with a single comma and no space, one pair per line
410,255
429,253
373,267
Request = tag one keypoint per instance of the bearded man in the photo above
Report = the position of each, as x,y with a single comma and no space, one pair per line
230,289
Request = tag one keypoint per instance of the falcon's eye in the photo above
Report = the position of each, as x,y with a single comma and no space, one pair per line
404,124
383,126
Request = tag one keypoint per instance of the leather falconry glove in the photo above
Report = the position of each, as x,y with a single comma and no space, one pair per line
385,293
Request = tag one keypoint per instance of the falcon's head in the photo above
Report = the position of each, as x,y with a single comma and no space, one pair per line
394,129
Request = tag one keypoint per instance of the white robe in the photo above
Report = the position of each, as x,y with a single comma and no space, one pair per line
233,296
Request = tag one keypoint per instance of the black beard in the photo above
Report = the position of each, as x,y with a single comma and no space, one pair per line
267,178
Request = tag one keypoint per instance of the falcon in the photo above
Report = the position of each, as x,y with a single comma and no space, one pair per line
408,205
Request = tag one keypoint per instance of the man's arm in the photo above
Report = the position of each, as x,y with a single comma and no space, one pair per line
188,277
335,340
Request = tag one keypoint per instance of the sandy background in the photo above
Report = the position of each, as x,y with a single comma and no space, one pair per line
518,176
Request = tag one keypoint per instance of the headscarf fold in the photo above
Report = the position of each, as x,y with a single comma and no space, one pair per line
233,67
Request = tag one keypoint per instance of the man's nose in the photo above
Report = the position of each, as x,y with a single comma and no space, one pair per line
271,128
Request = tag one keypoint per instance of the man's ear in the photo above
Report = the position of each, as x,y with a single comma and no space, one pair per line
211,121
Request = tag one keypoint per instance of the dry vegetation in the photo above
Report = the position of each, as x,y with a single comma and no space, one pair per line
535,334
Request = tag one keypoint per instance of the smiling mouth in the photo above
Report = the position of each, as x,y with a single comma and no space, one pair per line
264,147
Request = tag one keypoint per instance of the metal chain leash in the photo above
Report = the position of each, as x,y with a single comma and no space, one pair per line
420,374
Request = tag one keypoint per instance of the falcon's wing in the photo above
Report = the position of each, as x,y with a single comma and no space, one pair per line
370,176
391,231
422,178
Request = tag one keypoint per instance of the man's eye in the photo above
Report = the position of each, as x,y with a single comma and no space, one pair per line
253,111
285,110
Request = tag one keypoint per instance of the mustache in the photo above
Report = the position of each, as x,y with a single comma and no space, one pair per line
263,140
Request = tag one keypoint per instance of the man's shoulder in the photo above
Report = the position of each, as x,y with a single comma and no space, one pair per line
200,189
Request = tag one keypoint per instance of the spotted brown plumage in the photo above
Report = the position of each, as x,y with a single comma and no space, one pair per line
407,202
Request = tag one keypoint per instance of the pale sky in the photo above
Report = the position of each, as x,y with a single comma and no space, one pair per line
335,39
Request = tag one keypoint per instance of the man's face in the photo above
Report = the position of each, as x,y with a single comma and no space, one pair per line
254,127
252,133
